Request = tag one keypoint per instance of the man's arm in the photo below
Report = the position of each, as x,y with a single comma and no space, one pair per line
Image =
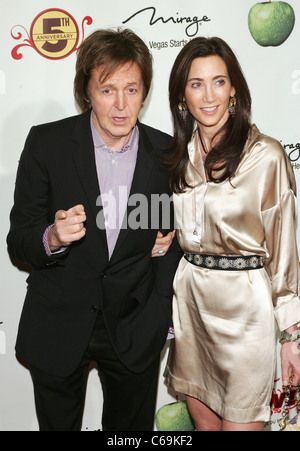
30,213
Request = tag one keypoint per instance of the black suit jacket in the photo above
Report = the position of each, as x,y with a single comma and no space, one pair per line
65,291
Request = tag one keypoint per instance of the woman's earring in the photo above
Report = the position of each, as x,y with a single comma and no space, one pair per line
232,104
183,111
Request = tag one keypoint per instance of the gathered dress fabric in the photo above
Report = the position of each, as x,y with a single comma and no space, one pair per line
225,322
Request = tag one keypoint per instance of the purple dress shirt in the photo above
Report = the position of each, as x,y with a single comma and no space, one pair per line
115,173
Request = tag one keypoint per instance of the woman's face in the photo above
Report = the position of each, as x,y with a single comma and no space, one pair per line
207,92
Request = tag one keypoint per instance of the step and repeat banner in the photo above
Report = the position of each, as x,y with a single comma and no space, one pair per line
38,47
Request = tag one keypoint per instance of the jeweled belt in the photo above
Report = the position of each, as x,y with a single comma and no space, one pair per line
240,263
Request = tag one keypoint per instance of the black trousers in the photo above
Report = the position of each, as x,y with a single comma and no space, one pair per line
129,399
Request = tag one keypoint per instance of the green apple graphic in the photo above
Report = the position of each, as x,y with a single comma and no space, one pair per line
271,23
174,417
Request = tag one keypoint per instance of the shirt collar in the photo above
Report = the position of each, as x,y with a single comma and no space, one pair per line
99,143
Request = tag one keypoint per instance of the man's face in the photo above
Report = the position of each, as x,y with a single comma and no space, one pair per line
116,103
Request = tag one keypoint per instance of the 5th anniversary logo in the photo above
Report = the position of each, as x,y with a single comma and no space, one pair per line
54,34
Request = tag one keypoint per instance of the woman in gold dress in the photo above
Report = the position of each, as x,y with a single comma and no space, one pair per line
235,211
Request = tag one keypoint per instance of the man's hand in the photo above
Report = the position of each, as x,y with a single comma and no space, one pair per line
68,227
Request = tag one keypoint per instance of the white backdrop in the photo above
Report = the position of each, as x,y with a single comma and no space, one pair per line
36,89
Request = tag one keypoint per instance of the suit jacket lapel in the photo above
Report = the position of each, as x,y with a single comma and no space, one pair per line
84,158
141,179
144,163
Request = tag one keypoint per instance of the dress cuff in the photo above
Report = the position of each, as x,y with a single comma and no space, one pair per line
288,313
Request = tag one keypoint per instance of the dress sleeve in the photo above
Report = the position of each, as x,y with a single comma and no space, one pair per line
282,264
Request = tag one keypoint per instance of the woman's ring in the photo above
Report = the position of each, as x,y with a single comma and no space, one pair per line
160,251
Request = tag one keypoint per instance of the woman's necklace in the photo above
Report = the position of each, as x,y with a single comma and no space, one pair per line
202,144
197,230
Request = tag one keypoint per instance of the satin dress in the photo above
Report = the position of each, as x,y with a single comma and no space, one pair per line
224,351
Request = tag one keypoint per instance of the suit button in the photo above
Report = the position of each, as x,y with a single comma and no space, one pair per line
93,308
103,275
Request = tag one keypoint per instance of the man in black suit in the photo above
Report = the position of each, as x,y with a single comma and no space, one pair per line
87,210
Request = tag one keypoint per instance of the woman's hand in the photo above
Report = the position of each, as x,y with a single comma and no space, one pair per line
162,244
290,363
